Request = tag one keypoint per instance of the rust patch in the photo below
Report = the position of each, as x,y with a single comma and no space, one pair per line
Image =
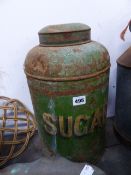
67,35
47,92
82,77
40,66
77,49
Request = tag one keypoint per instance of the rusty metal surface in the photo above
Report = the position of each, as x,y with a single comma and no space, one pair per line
59,39
64,28
64,34
57,75
66,62
125,58
70,88
82,77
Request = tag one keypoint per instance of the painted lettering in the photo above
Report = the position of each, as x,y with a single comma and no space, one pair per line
65,128
81,127
49,124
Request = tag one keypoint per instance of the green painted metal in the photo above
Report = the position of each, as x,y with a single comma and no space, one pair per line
59,73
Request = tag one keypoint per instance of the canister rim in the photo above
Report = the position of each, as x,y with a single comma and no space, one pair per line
75,78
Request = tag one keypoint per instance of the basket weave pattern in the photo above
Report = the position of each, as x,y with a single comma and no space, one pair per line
17,126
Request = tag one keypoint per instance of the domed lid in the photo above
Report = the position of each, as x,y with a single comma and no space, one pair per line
125,58
64,34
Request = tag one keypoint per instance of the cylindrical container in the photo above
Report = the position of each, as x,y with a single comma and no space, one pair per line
123,96
68,81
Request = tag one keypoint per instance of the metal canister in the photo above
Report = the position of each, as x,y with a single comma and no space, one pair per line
123,96
68,80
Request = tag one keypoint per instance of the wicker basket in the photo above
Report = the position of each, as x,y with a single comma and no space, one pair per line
17,126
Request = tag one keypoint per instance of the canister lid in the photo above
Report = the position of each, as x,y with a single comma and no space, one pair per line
64,34
125,58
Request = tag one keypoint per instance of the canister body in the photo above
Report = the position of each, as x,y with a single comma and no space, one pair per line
70,104
76,132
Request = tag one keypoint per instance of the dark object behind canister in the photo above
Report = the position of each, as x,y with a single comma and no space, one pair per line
123,96
130,25
68,80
